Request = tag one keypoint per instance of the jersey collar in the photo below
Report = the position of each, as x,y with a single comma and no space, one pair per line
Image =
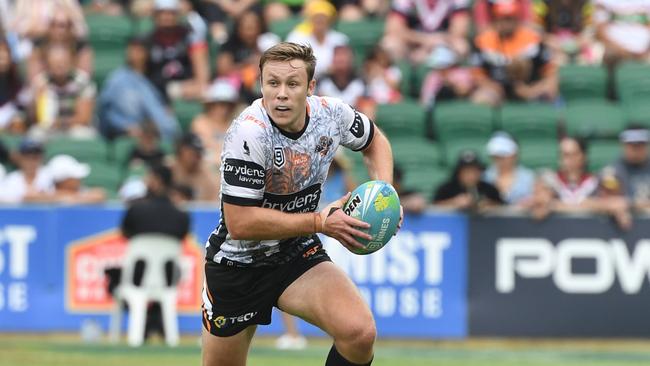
292,135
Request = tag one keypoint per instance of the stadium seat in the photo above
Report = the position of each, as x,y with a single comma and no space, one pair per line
637,112
426,179
529,121
363,34
583,82
539,154
462,120
633,82
405,119
593,118
119,149
452,149
156,250
108,32
11,141
105,63
283,27
602,153
186,111
87,150
412,78
105,175
415,152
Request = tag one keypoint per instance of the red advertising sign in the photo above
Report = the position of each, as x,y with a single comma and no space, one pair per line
86,282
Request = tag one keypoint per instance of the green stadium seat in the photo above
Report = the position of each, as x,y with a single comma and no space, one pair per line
637,112
105,175
529,121
186,111
107,31
283,27
539,154
425,179
633,82
120,149
11,141
602,153
583,82
452,149
593,118
405,119
363,34
105,63
415,152
86,150
462,120
412,78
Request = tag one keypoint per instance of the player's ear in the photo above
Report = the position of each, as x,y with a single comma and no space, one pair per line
312,86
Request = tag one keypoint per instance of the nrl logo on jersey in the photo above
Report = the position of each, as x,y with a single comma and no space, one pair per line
278,157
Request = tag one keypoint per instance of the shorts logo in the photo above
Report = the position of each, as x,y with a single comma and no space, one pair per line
243,173
357,126
223,322
310,251
278,157
323,146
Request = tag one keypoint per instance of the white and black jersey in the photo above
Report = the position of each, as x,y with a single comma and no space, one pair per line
267,167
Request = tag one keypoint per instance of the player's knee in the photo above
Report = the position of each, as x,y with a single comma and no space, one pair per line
361,335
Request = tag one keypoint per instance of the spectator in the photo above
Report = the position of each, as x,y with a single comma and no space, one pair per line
239,57
11,98
317,31
178,54
514,182
447,78
65,97
414,28
573,189
513,62
465,190
566,30
218,12
278,10
624,28
68,29
31,182
67,174
189,169
342,81
128,99
412,201
358,10
382,77
631,172
483,12
147,151
210,126
156,213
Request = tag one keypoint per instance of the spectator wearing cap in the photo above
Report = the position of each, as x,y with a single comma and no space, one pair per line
317,31
67,174
514,181
573,189
65,97
178,53
512,62
465,190
219,105
190,170
31,182
128,99
630,174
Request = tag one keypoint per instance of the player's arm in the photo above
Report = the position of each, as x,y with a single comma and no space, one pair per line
379,157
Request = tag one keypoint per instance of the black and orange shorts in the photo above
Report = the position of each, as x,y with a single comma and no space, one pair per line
237,297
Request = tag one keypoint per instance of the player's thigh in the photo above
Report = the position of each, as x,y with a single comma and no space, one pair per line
327,298
227,351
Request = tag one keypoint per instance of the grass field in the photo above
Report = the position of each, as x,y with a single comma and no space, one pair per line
67,350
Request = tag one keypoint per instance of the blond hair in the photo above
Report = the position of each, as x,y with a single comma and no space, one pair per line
287,51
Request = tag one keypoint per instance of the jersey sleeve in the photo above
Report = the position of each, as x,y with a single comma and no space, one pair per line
243,162
357,130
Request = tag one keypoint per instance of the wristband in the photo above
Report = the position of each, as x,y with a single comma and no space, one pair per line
318,223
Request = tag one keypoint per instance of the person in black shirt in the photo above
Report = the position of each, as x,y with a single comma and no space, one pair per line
465,190
156,213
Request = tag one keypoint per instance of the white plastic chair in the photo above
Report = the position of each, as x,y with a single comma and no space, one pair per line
155,250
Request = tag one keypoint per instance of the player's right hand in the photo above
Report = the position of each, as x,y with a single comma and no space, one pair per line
338,225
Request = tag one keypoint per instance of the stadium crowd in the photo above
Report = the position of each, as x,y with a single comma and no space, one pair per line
539,105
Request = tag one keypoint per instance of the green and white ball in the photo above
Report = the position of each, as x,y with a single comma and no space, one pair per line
376,203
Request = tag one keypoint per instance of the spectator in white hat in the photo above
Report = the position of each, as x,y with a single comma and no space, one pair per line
67,174
515,182
219,104
31,182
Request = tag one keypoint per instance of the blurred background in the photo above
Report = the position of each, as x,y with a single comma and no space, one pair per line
520,135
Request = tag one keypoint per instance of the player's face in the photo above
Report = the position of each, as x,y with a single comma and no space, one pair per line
285,88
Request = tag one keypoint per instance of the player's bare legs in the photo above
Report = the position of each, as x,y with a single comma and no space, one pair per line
227,351
327,298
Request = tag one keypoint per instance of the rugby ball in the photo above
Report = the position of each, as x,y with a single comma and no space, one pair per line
376,203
